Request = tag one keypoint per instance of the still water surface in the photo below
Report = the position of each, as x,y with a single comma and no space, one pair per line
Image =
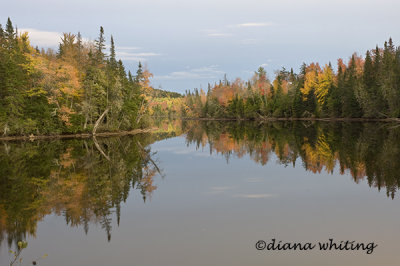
203,193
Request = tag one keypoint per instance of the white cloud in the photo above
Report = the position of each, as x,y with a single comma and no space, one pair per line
207,72
128,56
43,38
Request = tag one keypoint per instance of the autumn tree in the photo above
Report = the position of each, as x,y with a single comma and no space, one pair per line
322,89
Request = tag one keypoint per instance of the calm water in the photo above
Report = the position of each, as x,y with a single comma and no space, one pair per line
203,193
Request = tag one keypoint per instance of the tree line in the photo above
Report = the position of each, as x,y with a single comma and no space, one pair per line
365,87
76,89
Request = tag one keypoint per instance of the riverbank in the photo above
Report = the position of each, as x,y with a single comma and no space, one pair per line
268,119
153,129
79,136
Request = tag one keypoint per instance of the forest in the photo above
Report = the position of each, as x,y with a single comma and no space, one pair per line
82,87
69,90
366,87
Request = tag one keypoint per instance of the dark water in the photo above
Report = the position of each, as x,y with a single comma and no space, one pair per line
203,193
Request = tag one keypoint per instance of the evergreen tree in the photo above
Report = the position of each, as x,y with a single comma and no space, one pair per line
350,105
390,86
113,61
10,34
367,93
139,73
100,46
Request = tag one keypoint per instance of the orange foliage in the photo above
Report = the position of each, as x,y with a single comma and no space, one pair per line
62,82
341,65
145,82
359,63
147,181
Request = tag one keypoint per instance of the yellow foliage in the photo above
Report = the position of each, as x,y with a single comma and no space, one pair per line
145,83
310,82
325,81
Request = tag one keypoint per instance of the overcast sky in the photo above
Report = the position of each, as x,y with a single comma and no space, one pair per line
187,44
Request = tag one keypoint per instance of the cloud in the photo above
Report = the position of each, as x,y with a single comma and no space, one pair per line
127,48
253,24
43,38
52,39
207,72
220,190
128,56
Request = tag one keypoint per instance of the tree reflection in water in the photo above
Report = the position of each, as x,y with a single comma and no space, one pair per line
366,150
85,181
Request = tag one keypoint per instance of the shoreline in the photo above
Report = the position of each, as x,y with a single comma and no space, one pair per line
149,130
78,136
268,119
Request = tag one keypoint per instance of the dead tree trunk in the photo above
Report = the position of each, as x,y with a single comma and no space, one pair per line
99,148
99,121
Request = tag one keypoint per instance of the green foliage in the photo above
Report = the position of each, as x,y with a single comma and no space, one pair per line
47,93
158,93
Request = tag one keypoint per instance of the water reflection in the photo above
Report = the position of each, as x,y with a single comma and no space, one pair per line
366,150
85,181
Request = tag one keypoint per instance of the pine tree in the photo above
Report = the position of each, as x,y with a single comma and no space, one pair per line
79,48
130,77
79,40
139,73
113,61
350,105
334,104
100,46
367,91
10,35
390,86
2,35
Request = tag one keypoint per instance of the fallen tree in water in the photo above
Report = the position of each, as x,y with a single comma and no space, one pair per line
82,135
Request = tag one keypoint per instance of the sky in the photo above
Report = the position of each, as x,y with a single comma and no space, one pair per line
188,44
